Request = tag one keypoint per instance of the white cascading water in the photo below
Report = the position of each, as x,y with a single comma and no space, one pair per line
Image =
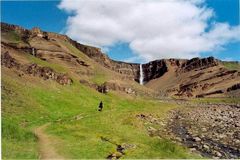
33,51
141,75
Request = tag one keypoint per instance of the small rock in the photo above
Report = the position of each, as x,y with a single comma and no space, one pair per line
178,139
237,124
197,139
237,141
153,120
218,154
204,129
221,136
206,147
118,155
128,146
113,155
151,129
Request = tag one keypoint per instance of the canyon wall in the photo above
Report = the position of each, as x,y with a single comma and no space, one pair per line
151,70
197,77
129,70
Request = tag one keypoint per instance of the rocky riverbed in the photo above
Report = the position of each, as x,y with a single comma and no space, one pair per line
213,130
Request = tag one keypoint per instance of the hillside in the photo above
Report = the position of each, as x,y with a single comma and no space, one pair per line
207,77
52,86
174,77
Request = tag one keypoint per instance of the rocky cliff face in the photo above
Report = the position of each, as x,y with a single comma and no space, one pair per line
197,63
130,70
154,69
158,68
178,77
151,70
34,32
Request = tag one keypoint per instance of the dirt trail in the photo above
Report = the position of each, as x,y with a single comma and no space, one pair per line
46,149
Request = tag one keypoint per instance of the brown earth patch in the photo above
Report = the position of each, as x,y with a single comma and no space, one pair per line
46,148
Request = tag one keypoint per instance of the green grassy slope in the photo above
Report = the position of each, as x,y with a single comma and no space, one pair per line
217,100
232,65
28,104
11,36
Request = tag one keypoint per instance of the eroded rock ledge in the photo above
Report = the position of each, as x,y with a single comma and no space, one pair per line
34,70
108,86
197,77
152,70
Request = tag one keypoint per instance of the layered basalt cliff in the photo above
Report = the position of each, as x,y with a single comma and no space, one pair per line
178,77
26,34
131,70
158,68
151,70
154,69
197,63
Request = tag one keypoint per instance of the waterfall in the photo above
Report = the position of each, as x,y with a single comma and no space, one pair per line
141,75
33,51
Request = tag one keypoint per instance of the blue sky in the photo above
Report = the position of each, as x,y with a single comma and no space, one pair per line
49,17
226,11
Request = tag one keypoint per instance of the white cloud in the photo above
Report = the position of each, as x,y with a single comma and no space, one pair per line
153,28
133,59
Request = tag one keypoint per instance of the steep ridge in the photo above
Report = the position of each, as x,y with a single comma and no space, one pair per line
46,52
173,77
130,70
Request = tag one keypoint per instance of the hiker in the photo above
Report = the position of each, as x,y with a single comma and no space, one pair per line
100,107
